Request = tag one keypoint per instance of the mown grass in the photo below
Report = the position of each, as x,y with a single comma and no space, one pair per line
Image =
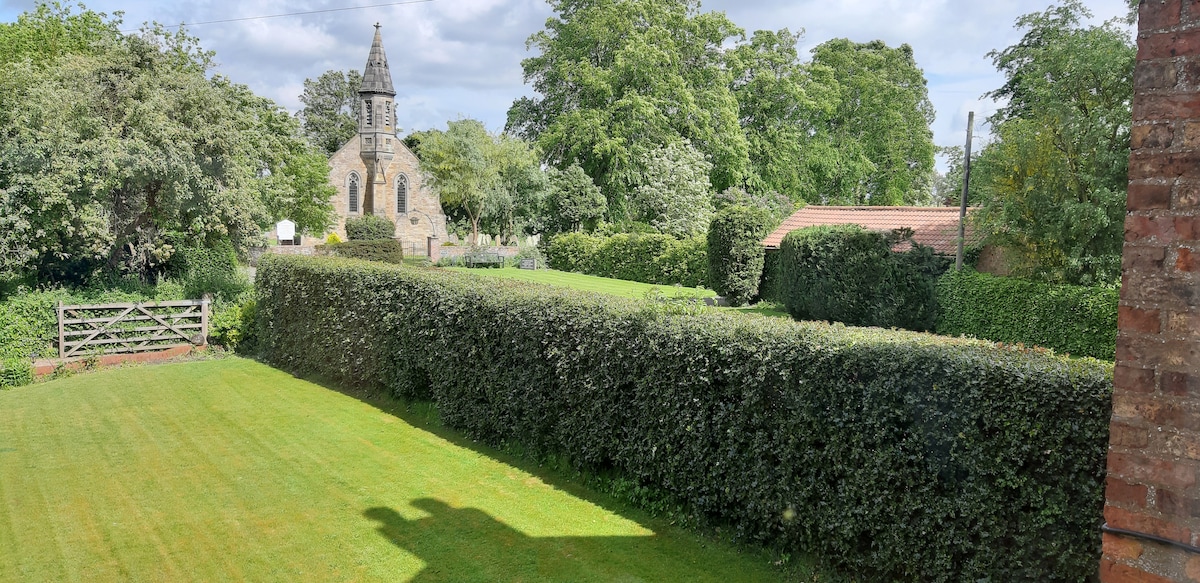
604,285
230,470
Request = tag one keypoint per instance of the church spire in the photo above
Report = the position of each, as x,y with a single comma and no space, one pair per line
376,77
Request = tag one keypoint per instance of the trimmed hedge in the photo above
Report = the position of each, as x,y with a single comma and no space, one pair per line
645,257
369,228
1070,319
383,250
735,252
844,273
898,456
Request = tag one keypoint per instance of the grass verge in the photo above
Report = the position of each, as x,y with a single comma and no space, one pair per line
604,285
231,470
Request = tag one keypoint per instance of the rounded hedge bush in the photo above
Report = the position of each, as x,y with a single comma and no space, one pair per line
369,228
844,273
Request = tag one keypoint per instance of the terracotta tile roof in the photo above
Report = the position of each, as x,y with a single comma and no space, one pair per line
935,227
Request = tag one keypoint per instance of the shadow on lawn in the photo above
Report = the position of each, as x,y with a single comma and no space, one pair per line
466,544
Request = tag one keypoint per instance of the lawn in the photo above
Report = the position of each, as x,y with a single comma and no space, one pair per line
604,285
229,470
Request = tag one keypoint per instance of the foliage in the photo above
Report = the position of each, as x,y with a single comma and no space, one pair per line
383,250
1076,320
15,372
1053,182
233,326
112,145
777,206
370,228
647,258
212,270
616,81
735,252
780,102
329,116
878,148
675,197
483,176
844,273
573,201
898,456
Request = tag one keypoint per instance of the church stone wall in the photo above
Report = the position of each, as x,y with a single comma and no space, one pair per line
421,199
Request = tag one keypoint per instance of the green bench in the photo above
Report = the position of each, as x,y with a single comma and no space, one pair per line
484,259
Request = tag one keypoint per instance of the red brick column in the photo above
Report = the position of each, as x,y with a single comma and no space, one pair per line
1154,448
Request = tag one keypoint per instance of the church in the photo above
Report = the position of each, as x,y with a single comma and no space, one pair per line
375,171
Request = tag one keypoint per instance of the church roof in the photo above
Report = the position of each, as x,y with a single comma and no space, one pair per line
376,77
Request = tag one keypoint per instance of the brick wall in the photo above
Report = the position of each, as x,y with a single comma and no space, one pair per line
1154,448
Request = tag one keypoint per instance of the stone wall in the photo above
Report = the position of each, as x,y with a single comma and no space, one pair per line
1154,448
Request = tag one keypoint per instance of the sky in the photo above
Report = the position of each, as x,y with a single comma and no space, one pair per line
462,58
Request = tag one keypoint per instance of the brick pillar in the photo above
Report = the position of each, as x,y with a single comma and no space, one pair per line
1154,447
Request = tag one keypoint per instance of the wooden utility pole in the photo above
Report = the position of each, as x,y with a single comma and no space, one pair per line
962,209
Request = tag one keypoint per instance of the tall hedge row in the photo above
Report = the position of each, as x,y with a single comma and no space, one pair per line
1070,319
735,252
898,456
645,257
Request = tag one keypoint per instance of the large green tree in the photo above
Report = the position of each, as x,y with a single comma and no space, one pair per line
1052,183
115,150
780,104
618,79
875,147
676,197
330,109
494,180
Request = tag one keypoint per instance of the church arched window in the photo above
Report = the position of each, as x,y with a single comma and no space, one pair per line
367,112
352,186
401,194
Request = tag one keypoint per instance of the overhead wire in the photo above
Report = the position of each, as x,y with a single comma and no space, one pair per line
307,12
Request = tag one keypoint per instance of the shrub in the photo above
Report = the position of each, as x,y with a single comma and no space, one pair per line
1066,318
233,326
15,372
768,286
648,258
896,455
735,252
383,250
332,238
369,228
844,273
210,270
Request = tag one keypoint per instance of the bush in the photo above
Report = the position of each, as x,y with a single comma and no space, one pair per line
844,273
369,228
210,270
15,372
768,286
383,250
648,258
735,252
233,326
896,455
1069,319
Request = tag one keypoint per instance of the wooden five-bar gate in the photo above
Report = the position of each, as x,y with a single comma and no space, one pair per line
130,328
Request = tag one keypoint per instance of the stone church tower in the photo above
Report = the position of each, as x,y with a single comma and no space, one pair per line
375,173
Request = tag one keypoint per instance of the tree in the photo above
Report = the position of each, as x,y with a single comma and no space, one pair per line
779,101
330,108
485,176
735,252
573,201
1053,181
616,81
675,197
113,157
875,147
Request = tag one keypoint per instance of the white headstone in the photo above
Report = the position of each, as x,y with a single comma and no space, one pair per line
285,230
